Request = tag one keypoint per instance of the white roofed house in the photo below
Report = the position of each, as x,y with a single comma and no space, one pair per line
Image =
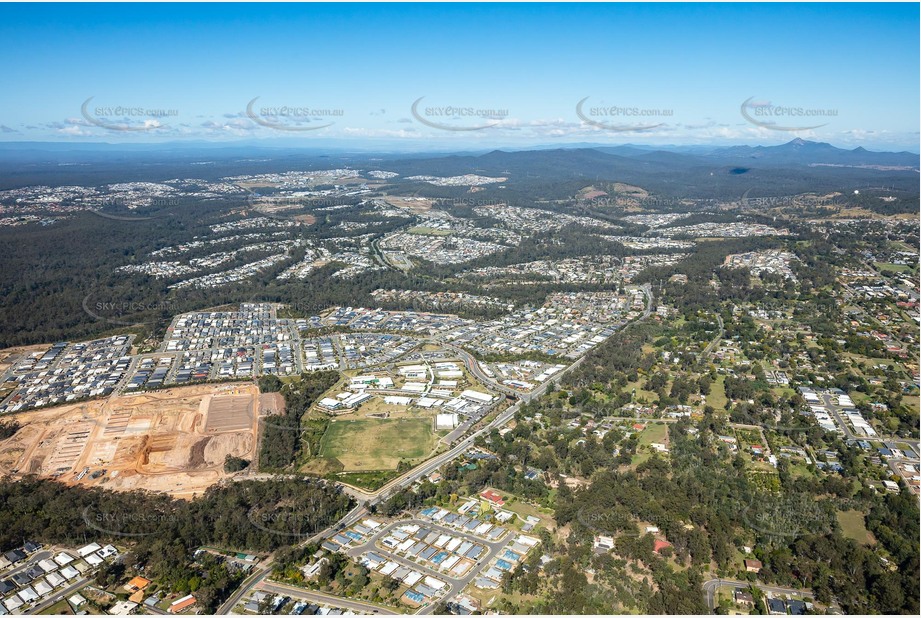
27,594
69,572
85,551
476,396
42,588
122,608
604,543
48,565
107,551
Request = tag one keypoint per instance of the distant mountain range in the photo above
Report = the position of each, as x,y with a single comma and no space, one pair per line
795,167
665,167
795,151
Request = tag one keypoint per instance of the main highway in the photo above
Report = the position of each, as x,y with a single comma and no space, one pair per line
719,337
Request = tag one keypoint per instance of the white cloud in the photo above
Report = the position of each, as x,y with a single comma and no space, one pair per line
368,132
74,131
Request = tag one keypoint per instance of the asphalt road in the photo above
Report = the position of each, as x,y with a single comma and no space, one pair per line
830,402
831,405
712,585
371,498
319,597
378,496
431,465
63,594
258,574
719,337
264,568
29,563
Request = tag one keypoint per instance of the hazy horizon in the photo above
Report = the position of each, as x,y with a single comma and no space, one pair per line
465,77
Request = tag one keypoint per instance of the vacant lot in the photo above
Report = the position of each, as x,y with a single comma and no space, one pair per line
853,527
717,397
229,413
428,231
377,444
654,432
10,356
884,267
415,204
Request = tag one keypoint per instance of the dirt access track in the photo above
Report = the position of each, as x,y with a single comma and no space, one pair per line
172,441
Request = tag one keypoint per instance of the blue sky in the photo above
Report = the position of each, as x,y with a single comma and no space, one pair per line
487,75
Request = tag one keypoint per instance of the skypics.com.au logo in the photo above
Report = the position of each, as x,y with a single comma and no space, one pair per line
127,523
163,206
610,117
457,117
126,118
123,312
295,521
749,201
296,118
783,117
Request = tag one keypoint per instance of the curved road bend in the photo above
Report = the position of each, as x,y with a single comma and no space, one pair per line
710,587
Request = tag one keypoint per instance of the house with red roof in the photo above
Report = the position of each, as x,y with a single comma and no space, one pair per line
752,565
181,604
491,496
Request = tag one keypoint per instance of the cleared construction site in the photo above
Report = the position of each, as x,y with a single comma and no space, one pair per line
172,441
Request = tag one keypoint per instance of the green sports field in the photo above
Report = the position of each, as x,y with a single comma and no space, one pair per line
377,444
